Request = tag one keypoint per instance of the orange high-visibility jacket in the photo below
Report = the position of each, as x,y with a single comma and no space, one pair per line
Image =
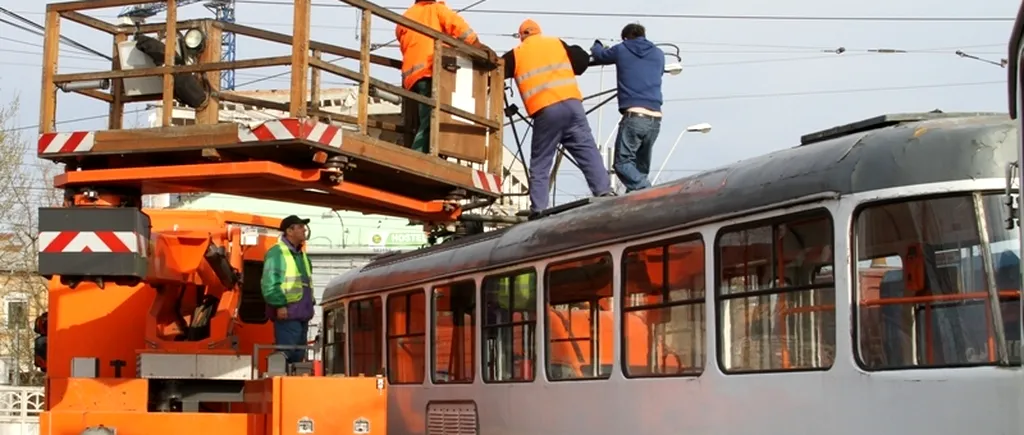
544,73
417,48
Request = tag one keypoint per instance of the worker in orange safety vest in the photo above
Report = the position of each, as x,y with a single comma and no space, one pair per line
545,70
418,54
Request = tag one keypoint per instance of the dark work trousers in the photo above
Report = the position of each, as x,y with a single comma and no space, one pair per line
633,146
421,142
291,333
566,123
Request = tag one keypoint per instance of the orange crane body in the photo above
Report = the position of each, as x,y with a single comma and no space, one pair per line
185,314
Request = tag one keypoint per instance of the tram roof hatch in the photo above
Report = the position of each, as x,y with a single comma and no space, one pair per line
882,121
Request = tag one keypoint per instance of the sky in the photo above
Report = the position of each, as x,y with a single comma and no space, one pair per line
761,84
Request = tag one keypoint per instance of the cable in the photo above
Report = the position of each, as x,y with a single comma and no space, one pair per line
62,38
834,91
673,100
671,16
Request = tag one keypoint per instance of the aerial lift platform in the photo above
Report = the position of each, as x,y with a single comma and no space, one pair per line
310,155
156,323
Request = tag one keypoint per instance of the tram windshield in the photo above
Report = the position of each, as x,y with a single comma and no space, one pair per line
926,295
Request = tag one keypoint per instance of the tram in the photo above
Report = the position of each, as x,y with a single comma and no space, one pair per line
864,281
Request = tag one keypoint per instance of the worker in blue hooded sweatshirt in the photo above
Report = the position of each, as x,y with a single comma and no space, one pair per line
639,66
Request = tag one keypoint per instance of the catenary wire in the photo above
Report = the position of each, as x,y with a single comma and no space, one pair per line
339,5
673,100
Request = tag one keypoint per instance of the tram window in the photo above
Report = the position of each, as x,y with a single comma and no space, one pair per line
334,340
776,295
454,308
509,326
663,310
365,330
924,294
579,321
407,337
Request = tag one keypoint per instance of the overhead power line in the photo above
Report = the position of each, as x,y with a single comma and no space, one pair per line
673,100
524,12
40,28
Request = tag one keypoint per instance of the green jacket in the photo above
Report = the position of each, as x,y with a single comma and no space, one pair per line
273,277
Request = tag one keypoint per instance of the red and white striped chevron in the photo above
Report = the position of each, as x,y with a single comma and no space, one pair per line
89,241
293,129
486,182
62,143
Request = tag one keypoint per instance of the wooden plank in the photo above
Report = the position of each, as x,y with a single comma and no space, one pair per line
48,99
300,58
170,46
88,21
210,113
457,139
250,101
81,5
314,83
165,138
403,21
159,27
435,94
115,121
495,143
160,70
326,48
404,159
402,92
364,68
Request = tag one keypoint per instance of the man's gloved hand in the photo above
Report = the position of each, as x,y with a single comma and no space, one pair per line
597,42
282,313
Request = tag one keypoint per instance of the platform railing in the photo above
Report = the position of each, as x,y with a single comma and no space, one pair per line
306,64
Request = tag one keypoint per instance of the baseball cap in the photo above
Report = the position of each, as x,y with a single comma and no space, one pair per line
292,220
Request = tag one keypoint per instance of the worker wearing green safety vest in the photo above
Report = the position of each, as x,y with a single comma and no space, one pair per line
287,286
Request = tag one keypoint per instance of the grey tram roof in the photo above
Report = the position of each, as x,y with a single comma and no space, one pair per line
882,152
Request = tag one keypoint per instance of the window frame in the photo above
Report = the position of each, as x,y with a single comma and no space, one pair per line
407,294
533,324
17,298
330,339
351,343
547,326
472,330
855,288
664,244
771,222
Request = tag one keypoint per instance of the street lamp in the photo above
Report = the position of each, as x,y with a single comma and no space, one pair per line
327,215
695,128
674,68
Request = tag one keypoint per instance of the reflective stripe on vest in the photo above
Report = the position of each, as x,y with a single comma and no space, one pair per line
544,73
292,284
523,298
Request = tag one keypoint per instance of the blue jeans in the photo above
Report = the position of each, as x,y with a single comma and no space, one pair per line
633,146
291,333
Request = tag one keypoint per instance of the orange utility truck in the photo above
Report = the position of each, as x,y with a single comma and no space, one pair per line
156,319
